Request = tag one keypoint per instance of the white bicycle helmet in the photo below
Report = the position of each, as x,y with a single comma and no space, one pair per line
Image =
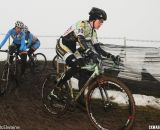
19,24
25,28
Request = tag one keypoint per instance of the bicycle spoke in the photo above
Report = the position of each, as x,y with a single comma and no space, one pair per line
54,101
110,106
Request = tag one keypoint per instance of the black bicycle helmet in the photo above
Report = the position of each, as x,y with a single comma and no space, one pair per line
97,13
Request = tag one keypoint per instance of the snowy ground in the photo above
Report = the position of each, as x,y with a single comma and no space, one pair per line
140,100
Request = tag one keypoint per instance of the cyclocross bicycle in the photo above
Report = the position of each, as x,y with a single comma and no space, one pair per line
9,73
109,103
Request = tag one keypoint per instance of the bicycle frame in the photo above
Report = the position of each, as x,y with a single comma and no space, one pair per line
15,55
97,70
101,96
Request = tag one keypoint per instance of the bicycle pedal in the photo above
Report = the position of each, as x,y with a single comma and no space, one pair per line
3,79
52,95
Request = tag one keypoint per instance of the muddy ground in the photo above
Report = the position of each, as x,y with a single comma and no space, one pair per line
22,107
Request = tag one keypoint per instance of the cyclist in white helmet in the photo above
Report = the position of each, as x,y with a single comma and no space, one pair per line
18,43
33,42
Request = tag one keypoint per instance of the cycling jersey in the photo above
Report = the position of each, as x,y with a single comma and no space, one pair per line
31,39
85,35
82,29
18,39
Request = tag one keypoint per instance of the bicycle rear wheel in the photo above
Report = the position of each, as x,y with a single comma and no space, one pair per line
55,101
40,62
54,62
110,105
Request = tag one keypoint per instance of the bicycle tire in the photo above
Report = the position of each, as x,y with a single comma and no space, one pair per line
54,62
9,75
111,113
53,104
9,78
4,79
40,62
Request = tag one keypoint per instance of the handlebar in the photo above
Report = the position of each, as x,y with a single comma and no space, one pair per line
16,51
3,50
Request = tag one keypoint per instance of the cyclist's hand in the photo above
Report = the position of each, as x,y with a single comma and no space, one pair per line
93,56
116,59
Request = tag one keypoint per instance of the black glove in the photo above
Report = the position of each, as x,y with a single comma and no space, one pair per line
93,56
81,62
116,59
73,62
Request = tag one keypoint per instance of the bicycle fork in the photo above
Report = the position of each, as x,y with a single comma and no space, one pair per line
104,95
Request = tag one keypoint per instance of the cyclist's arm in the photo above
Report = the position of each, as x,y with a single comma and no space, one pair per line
116,59
6,38
79,32
100,51
82,42
29,40
23,45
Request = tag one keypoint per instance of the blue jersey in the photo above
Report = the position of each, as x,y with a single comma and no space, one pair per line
17,39
30,38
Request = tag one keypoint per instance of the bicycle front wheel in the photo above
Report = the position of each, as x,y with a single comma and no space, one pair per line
40,61
110,105
4,79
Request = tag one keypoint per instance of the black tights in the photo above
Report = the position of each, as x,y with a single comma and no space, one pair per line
30,52
83,77
12,49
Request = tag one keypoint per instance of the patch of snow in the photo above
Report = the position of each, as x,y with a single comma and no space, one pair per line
140,100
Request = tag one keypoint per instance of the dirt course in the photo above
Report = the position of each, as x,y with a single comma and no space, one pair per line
22,107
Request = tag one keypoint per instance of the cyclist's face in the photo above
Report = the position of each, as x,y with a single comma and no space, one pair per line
18,30
98,23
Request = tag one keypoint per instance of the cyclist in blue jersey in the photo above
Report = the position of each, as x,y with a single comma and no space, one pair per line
33,42
84,33
18,43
